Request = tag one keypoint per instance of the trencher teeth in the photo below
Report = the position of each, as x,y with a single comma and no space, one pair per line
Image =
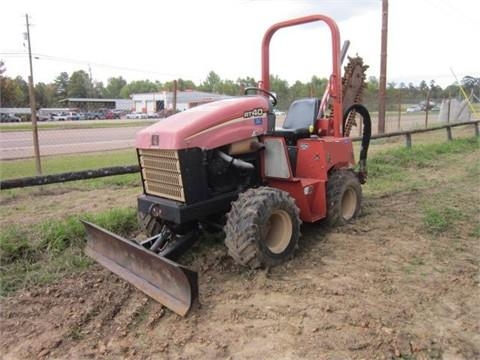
353,84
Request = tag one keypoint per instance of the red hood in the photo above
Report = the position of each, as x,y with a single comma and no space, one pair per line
208,126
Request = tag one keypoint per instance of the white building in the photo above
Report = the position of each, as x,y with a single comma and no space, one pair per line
155,102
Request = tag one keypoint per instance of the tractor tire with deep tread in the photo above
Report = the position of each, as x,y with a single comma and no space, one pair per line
344,197
263,228
149,225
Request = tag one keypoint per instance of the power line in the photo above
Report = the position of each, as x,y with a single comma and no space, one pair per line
38,56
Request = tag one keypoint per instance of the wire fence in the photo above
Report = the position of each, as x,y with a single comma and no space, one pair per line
73,146
128,169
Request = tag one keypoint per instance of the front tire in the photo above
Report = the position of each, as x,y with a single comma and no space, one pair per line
263,228
344,197
149,225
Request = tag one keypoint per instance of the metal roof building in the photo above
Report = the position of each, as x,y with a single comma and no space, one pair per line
154,102
91,103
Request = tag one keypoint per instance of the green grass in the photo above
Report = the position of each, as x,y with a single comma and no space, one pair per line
419,156
435,221
397,169
51,249
110,182
413,264
475,232
441,220
67,163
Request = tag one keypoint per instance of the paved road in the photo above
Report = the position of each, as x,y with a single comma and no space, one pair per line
16,145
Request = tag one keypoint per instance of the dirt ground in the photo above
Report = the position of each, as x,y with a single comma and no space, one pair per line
381,288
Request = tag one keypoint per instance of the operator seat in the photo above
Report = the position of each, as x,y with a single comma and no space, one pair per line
300,120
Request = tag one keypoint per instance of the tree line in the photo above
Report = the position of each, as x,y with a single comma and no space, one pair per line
14,91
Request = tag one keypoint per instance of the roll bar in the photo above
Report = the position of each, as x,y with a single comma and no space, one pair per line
335,82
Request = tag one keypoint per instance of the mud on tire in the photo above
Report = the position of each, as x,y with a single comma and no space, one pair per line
344,197
263,228
149,225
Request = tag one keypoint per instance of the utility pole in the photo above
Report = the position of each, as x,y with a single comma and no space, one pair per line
399,108
2,70
174,101
90,85
383,69
33,105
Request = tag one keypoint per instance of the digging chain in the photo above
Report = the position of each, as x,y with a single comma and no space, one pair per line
353,84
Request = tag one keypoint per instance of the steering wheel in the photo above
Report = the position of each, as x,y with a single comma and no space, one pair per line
270,95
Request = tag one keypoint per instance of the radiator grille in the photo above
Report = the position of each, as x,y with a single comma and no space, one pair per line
161,173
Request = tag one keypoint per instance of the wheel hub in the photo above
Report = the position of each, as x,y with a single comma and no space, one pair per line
349,204
278,231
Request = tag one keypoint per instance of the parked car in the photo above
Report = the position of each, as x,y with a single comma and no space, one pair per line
415,108
137,115
66,116
82,116
114,114
110,115
153,115
43,117
9,118
423,105
89,115
95,115
59,117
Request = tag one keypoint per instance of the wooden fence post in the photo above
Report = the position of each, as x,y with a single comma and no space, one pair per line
427,105
399,109
449,133
408,140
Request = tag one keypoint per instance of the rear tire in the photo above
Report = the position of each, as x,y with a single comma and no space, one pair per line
263,228
344,197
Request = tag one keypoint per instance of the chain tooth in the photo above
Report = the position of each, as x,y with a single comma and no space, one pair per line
348,85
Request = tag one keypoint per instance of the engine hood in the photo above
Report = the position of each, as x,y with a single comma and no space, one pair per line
208,126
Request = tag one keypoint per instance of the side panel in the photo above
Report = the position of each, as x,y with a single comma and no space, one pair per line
276,163
308,191
309,195
316,156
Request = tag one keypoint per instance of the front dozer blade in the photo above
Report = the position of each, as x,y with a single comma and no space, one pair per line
169,283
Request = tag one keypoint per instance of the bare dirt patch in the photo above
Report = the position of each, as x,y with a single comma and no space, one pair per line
382,288
53,202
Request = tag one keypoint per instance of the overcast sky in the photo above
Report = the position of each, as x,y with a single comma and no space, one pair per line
164,40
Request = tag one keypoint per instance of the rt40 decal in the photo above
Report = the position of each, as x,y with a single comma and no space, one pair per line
253,113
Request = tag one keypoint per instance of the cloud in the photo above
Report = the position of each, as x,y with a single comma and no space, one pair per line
161,40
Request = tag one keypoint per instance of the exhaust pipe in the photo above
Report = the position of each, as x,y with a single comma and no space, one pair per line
236,162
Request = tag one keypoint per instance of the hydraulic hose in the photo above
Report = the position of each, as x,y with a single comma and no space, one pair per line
367,133
236,162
